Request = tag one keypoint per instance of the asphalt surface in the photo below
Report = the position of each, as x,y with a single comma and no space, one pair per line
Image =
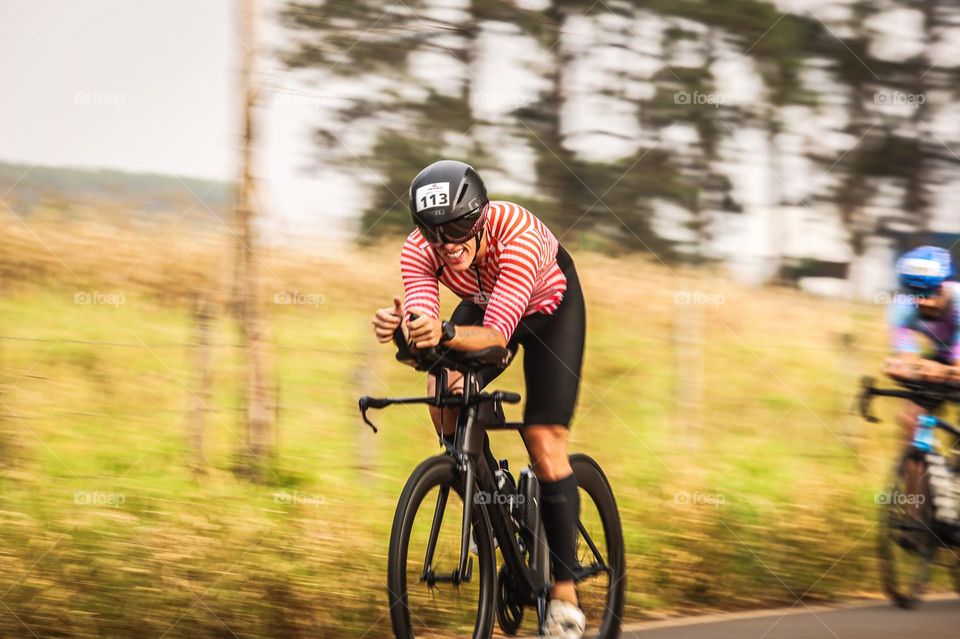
939,618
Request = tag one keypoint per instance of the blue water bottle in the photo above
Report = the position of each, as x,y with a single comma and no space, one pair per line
923,437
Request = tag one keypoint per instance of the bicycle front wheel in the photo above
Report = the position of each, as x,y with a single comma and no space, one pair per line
907,544
423,601
600,555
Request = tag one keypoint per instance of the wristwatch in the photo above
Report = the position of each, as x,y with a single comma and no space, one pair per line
448,332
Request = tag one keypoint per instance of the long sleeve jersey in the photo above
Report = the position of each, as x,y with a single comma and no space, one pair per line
907,326
518,275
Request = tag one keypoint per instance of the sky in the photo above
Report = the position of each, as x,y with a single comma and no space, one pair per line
119,84
151,86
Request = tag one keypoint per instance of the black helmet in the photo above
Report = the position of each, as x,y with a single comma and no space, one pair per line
448,201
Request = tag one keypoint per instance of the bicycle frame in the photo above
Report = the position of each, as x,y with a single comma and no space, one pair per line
923,443
467,449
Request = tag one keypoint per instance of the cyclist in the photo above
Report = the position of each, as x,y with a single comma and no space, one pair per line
517,286
925,313
925,309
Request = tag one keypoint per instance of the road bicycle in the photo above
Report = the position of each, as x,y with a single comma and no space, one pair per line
436,584
920,512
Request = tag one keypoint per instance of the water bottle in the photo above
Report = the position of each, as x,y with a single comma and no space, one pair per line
528,511
923,436
506,486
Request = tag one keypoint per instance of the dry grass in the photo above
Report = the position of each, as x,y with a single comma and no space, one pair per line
770,436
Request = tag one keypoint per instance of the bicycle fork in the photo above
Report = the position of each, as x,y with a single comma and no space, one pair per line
464,571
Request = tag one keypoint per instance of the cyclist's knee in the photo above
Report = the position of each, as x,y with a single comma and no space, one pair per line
547,445
454,383
907,418
444,419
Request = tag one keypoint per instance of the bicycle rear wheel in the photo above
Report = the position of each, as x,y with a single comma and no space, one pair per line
599,543
907,544
422,607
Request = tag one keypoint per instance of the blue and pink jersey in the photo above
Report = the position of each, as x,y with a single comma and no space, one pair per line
938,338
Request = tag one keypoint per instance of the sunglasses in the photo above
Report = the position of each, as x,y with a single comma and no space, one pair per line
454,232
925,294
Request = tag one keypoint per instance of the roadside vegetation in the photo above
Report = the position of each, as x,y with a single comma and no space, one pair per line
746,484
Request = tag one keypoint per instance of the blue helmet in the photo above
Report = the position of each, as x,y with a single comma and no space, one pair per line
925,267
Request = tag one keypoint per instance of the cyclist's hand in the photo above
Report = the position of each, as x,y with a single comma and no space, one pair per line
386,321
931,371
901,367
425,331
953,374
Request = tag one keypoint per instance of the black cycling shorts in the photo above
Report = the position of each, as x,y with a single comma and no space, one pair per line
552,351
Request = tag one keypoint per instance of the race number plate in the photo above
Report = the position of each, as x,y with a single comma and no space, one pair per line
430,196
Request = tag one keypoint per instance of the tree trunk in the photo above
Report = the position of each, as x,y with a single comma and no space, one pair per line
254,341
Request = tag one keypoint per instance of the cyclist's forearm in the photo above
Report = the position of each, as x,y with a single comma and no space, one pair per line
475,338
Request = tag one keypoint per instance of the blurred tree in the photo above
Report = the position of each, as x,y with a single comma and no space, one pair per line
254,337
411,119
402,116
892,109
606,201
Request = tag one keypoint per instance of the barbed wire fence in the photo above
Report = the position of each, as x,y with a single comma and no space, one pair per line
688,343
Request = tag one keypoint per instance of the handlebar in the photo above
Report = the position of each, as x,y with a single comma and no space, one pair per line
445,401
928,395
429,359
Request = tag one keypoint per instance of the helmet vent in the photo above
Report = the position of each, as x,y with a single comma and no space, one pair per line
463,192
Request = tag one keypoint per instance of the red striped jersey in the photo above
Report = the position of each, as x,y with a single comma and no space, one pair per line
518,275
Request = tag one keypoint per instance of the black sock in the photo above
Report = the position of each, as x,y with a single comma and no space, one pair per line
560,510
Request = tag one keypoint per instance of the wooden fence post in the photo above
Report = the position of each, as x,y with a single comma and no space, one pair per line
363,377
202,315
851,420
688,334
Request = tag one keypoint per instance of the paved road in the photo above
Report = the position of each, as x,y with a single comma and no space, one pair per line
938,619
